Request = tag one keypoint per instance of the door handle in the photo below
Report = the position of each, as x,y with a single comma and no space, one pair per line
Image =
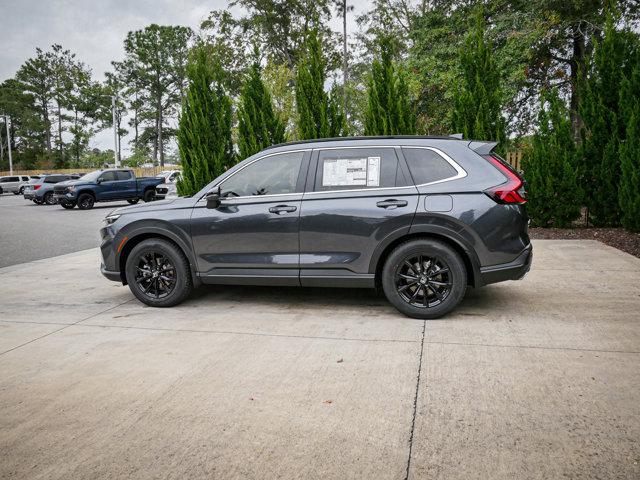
283,209
392,203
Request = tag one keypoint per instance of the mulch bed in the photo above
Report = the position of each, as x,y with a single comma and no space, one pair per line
616,237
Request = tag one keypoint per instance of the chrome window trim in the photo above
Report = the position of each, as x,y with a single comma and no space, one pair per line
460,172
251,163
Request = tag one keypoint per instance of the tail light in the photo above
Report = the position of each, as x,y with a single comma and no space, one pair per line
36,187
511,192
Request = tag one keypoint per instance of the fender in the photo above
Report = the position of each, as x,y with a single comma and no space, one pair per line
433,230
157,228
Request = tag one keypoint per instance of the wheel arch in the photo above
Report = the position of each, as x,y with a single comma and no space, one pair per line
139,235
469,258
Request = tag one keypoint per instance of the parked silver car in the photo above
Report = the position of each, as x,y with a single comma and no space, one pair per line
41,190
13,183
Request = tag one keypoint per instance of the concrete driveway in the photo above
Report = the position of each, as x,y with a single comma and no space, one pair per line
532,379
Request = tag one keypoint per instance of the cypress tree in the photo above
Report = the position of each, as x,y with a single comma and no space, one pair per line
204,132
389,110
603,129
319,114
477,109
258,125
550,167
629,192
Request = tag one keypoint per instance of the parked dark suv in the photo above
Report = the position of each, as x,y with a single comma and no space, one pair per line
420,217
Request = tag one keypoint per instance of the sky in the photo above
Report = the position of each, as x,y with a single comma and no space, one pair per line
95,30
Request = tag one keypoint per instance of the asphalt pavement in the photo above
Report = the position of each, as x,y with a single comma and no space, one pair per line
535,379
31,232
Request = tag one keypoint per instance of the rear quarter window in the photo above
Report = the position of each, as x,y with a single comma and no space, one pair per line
427,166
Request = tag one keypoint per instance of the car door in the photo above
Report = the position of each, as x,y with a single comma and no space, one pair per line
253,236
106,188
355,199
125,184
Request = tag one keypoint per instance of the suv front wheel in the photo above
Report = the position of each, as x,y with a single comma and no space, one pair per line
424,278
158,273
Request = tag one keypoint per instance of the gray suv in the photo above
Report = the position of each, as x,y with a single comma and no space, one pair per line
419,217
13,183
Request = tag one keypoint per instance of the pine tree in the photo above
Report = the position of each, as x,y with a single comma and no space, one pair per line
603,128
389,110
258,125
550,167
477,111
319,115
204,133
629,192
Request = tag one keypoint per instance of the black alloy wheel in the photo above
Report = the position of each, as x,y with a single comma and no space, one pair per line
156,276
86,201
48,198
424,278
423,281
158,273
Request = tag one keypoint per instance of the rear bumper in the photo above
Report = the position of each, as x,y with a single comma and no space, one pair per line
514,270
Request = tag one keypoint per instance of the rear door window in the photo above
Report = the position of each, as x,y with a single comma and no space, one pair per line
123,175
357,168
427,166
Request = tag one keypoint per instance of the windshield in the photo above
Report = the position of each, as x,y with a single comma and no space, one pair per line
91,176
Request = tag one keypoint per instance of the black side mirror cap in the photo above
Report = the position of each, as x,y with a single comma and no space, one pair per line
213,199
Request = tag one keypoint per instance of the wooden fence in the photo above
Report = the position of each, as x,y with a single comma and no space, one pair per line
139,171
515,159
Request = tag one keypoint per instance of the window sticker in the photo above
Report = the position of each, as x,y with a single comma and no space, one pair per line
341,172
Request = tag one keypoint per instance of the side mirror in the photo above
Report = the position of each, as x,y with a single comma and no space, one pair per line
213,199
99,180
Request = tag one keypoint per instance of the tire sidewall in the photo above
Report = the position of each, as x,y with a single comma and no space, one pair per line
183,282
149,196
48,198
425,247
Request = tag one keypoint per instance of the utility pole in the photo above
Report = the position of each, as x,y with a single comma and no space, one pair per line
6,122
116,149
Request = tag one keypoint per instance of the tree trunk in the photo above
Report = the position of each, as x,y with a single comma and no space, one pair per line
160,137
47,128
59,130
344,58
577,64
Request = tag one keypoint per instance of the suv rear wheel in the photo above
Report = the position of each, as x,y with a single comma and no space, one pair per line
424,278
158,273
48,198
149,195
85,201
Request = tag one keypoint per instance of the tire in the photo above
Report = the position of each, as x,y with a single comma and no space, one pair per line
86,201
18,192
48,199
133,201
149,195
148,252
37,201
424,279
68,205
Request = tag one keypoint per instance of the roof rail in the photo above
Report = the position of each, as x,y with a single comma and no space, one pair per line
455,136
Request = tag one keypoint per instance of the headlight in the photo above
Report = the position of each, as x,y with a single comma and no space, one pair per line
110,219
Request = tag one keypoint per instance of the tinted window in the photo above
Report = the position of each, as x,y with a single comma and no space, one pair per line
54,179
108,176
12,179
356,168
427,166
123,175
272,175
25,179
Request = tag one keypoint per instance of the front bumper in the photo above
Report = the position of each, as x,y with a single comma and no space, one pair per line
64,197
110,274
514,270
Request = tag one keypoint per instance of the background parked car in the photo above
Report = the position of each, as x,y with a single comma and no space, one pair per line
41,190
170,176
169,188
13,183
